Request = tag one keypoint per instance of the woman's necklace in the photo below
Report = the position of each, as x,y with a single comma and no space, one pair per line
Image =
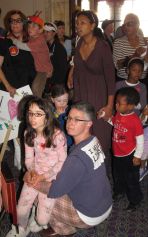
87,48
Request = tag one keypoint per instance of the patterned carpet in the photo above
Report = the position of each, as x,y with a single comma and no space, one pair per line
119,224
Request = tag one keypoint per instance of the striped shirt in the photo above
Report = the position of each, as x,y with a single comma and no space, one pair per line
122,49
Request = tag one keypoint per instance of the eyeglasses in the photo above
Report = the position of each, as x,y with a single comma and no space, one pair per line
118,103
130,24
37,114
15,21
75,120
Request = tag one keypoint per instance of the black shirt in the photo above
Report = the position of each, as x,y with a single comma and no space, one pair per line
18,65
58,58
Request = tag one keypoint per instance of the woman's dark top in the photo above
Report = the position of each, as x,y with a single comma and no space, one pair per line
18,65
58,58
94,81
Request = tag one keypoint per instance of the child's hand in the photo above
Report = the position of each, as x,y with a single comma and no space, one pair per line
27,177
60,110
36,179
136,161
30,177
144,114
145,110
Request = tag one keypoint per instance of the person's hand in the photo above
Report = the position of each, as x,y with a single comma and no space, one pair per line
70,78
146,57
31,178
36,179
144,114
43,187
28,177
120,63
139,51
145,110
136,161
60,110
11,90
105,113
70,82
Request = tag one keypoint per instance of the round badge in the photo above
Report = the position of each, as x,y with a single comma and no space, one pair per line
14,51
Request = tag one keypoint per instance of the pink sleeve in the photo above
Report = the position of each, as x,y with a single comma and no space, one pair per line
29,157
0,193
61,148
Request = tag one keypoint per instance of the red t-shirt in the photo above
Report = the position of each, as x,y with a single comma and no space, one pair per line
40,53
126,129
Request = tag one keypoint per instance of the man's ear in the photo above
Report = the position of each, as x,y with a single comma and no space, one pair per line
89,124
52,99
93,26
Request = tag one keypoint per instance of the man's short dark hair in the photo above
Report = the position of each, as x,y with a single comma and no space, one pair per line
131,94
85,107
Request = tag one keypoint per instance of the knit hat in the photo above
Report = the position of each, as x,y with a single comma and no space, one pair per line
50,27
37,20
105,23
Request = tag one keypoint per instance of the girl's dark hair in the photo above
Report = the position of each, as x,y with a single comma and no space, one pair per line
7,24
50,126
92,18
22,107
131,94
58,90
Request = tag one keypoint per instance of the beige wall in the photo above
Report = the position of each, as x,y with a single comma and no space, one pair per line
51,9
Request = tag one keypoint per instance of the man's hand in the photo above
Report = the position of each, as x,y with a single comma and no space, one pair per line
105,112
136,161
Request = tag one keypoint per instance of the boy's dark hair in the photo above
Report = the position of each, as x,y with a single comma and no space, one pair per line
58,90
131,94
85,107
135,60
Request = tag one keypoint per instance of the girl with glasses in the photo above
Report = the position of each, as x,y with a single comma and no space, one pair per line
45,153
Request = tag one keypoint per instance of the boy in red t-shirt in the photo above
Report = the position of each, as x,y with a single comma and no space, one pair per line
127,145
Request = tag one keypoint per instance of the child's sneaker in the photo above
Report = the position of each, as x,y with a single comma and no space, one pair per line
143,173
32,224
13,232
34,227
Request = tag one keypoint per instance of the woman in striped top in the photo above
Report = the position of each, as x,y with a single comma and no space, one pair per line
130,45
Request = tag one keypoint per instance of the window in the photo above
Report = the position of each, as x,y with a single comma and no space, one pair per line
85,5
103,12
